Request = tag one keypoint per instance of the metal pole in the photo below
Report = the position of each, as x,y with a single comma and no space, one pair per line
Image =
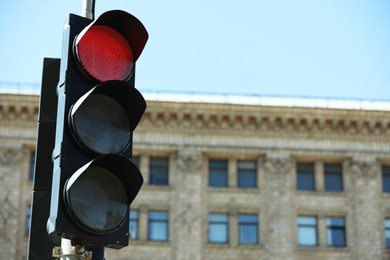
68,251
88,9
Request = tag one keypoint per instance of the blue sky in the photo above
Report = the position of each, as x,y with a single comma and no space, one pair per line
301,48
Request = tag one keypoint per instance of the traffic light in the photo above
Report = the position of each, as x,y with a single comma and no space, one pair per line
94,179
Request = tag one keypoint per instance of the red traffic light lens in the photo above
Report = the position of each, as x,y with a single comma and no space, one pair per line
105,54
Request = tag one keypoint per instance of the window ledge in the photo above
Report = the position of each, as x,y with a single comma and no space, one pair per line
137,242
250,246
233,189
322,248
218,245
225,246
156,187
322,193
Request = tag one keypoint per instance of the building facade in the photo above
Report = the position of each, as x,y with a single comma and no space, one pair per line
233,178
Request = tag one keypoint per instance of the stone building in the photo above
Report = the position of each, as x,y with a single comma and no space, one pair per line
233,178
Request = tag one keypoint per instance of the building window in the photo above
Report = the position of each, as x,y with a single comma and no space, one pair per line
32,167
28,220
246,171
133,225
336,232
158,226
333,177
218,173
387,232
135,160
386,178
158,171
248,229
307,231
305,176
218,228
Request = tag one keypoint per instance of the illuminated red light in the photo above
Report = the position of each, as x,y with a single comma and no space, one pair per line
105,54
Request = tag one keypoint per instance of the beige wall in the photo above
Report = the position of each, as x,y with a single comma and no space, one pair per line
189,134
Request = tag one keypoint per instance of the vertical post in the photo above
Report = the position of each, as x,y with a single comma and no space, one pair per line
68,251
39,244
88,10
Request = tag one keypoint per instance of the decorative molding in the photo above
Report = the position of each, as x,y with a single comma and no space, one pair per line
189,164
278,166
19,110
7,210
187,217
267,121
10,156
364,169
160,116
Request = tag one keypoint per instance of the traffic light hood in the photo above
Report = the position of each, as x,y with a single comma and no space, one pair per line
127,25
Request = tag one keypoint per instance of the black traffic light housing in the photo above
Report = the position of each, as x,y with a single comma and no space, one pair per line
94,179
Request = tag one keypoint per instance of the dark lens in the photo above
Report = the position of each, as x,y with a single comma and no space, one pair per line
101,124
97,199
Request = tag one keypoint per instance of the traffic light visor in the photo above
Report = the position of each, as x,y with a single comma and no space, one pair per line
108,48
98,194
103,119
97,199
101,124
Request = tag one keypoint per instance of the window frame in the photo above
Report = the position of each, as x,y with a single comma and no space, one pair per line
212,224
334,228
387,231
247,223
331,171
248,171
27,228
218,173
158,220
136,159
159,170
314,228
385,174
302,170
31,173
134,220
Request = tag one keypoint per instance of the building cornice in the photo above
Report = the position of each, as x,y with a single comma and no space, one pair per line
224,118
266,120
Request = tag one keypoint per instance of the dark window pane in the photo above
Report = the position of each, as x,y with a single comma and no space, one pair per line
307,231
28,220
336,232
218,173
247,174
218,228
158,171
135,160
305,176
333,177
386,178
158,225
32,166
248,229
387,232
388,238
133,226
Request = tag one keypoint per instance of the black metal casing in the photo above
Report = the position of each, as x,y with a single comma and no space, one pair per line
40,245
68,155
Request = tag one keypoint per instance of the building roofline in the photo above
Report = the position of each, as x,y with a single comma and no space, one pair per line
232,99
253,100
